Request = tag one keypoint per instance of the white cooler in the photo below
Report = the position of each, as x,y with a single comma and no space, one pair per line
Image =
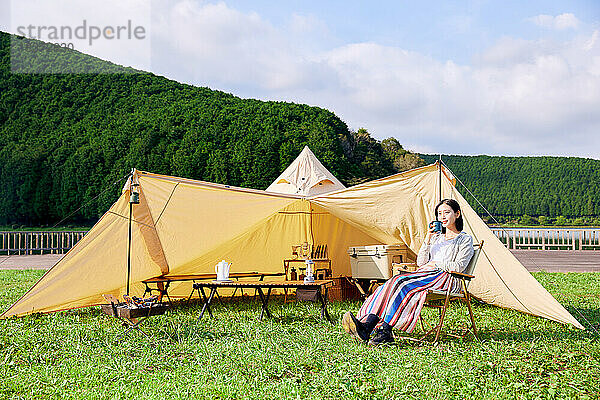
375,262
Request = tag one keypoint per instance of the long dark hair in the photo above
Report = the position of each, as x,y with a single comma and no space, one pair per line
455,207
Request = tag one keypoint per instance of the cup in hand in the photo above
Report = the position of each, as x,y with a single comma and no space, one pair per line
435,226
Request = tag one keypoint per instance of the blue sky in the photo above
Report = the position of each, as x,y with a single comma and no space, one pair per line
453,30
478,77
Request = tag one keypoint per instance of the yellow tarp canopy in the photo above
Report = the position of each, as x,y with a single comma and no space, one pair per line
183,226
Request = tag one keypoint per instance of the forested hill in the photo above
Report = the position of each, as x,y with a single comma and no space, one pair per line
513,186
65,137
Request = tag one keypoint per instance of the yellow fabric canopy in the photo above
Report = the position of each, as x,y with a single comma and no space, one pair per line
183,226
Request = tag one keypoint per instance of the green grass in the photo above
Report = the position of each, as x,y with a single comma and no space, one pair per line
75,355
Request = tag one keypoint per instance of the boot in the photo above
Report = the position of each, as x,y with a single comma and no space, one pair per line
358,329
383,335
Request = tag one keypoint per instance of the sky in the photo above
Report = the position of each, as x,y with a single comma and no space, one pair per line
468,77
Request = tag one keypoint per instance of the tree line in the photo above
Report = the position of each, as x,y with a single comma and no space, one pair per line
547,187
66,137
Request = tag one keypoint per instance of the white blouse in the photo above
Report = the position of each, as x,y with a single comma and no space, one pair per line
447,255
440,250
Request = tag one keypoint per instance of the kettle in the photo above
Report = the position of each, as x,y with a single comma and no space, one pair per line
222,270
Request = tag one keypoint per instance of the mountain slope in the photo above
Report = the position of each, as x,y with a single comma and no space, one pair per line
513,186
66,137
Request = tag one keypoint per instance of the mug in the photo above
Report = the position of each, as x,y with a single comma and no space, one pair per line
436,226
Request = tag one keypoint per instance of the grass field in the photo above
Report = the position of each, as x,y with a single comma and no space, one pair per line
234,356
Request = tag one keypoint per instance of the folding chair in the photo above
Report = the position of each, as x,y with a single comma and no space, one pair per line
435,298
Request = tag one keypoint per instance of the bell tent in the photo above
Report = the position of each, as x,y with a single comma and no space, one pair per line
184,226
305,176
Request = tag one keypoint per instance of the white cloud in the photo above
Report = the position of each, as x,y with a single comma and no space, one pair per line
216,45
559,22
103,29
516,97
523,97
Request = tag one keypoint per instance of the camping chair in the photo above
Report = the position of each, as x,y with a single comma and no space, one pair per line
435,298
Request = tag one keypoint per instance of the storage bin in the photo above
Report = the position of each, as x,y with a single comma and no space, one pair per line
343,289
375,262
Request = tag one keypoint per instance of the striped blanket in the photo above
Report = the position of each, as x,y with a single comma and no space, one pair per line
399,301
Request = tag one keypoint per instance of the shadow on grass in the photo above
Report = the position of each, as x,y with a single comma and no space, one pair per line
456,323
484,336
182,320
312,318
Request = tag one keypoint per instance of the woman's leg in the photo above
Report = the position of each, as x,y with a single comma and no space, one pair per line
404,307
358,329
376,303
369,314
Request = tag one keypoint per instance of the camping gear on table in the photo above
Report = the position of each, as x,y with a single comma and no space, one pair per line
309,271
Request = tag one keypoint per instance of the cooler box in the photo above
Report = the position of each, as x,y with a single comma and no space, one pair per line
375,262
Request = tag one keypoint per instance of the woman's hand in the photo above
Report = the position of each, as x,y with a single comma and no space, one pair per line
430,234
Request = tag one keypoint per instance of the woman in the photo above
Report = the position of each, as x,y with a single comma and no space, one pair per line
399,301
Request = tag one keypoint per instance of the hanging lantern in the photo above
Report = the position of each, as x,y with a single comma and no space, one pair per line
134,197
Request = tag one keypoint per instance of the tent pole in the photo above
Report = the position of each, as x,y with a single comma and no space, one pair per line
134,198
129,249
440,177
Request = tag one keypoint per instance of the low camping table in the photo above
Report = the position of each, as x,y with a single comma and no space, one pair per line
319,287
163,282
129,316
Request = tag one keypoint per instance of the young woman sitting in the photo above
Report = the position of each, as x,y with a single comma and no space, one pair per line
399,301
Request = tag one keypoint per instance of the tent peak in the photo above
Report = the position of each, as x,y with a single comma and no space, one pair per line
305,176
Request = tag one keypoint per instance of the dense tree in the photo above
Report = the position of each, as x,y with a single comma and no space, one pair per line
402,159
514,186
64,138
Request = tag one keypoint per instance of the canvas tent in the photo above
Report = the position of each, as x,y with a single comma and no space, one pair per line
183,226
305,176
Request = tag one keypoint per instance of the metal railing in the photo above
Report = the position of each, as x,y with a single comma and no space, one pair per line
59,242
549,238
27,243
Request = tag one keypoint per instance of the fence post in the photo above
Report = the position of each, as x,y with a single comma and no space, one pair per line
543,240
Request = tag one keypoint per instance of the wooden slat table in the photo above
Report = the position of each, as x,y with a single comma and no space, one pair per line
320,287
163,282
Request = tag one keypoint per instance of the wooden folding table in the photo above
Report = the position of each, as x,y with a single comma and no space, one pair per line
320,288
